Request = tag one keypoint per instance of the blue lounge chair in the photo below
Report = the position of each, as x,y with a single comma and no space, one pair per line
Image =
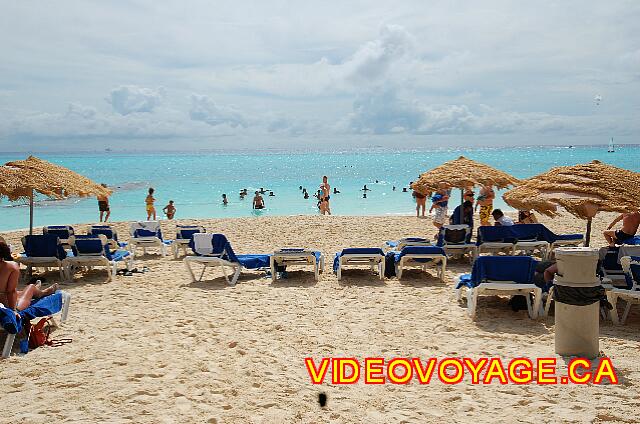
42,251
497,275
631,293
296,256
370,256
495,240
184,234
110,233
147,234
214,250
90,251
421,257
46,306
456,240
62,231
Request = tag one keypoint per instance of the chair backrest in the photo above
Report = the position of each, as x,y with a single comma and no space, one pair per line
454,234
107,230
62,231
422,250
216,245
518,269
89,245
186,232
527,232
631,268
146,229
363,251
43,246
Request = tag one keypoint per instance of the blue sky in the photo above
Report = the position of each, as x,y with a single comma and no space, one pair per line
82,75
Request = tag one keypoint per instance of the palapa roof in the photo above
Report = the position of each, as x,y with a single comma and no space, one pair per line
575,188
18,178
462,173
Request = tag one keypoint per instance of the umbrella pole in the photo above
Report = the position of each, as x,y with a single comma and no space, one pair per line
31,213
587,237
461,206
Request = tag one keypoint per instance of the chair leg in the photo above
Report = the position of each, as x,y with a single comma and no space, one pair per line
316,270
548,304
234,279
193,277
204,268
66,301
8,345
613,313
626,312
537,303
399,270
472,302
339,271
382,269
272,265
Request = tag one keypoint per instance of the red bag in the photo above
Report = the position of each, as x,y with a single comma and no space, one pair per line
39,335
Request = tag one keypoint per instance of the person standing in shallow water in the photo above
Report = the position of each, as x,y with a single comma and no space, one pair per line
324,200
103,206
149,201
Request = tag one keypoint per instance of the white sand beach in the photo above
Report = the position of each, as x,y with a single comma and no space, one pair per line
156,348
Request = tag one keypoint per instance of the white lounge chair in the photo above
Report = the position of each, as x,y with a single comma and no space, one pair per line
406,241
110,233
454,239
297,257
64,232
214,250
422,257
147,234
184,234
43,308
42,251
90,251
372,257
631,267
500,275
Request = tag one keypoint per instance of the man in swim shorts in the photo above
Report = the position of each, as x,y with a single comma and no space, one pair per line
630,224
325,208
103,206
258,201
485,202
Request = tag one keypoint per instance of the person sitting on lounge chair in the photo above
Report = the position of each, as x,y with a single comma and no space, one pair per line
10,296
630,224
501,219
467,214
527,217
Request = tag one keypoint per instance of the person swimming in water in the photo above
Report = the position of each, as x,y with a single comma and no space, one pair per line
324,200
224,199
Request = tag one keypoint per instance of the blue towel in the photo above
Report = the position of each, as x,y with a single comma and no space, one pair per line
43,307
393,243
419,250
519,269
44,246
355,251
221,246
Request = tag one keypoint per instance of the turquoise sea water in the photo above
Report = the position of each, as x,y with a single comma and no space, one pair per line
196,181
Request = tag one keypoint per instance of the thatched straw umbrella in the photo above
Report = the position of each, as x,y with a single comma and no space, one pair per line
462,173
582,190
21,179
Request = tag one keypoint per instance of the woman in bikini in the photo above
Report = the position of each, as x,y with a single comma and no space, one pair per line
421,203
10,296
151,209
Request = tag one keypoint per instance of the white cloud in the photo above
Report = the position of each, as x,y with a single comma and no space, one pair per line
130,99
206,110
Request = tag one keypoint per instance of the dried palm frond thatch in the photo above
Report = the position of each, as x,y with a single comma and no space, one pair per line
582,190
462,173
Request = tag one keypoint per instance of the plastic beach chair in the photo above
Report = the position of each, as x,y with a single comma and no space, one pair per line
500,275
372,257
214,250
90,251
296,256
56,303
631,294
147,234
42,251
421,257
184,234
